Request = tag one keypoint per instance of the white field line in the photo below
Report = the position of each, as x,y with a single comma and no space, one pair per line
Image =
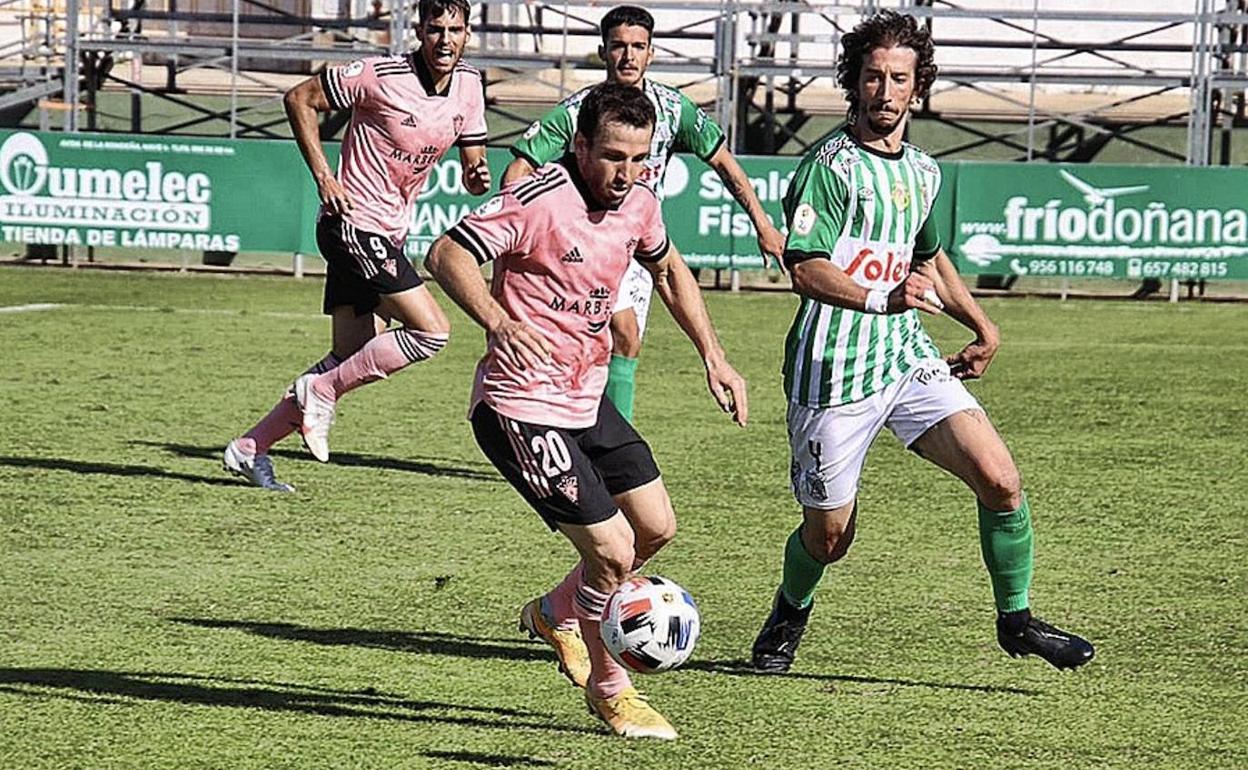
32,308
190,311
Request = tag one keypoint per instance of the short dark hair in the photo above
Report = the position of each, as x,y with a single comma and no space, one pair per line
885,29
613,103
626,14
432,9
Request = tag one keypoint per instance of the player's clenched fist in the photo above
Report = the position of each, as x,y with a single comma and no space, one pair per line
917,291
477,178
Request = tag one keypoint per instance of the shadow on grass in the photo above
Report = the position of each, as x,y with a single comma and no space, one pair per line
743,668
110,469
489,760
348,459
422,642
123,687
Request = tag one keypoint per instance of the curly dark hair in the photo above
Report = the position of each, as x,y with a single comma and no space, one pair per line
885,29
613,102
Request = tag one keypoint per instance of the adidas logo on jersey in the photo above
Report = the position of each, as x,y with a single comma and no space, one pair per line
410,121
573,256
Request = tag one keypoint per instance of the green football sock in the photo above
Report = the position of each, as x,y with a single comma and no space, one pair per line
621,383
1006,543
801,572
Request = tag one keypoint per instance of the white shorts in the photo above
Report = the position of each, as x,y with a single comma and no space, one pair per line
635,292
829,444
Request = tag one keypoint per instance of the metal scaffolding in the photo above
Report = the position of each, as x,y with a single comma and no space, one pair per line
763,68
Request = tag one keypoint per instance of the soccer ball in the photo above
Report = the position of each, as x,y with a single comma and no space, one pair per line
650,625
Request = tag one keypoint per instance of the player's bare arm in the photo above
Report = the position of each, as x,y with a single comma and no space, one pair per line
770,241
474,171
679,291
821,280
302,104
457,272
517,169
972,361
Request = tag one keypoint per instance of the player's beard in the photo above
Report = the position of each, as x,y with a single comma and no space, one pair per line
880,129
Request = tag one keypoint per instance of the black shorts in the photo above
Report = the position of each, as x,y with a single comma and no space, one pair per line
567,475
362,266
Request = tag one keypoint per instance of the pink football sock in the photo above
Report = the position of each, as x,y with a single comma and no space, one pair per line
606,677
384,355
283,419
561,601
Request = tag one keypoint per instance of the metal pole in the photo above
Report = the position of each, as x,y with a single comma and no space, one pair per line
234,74
1031,100
70,96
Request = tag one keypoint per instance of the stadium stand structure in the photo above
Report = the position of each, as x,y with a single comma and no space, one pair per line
1048,79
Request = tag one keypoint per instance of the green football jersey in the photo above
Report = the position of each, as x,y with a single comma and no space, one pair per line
868,212
682,125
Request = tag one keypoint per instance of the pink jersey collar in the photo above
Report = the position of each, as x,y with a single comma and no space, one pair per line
417,62
568,161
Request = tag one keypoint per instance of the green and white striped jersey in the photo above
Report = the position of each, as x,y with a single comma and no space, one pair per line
681,125
868,212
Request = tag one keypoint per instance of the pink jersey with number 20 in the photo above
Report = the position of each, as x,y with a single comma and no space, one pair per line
558,258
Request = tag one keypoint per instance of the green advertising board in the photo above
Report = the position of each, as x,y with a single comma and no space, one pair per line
145,192
1084,221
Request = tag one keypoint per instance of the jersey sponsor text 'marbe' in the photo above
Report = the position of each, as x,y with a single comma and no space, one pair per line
596,304
418,160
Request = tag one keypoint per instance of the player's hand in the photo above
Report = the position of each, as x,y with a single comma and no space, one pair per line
728,388
519,345
332,194
771,244
476,178
972,361
917,291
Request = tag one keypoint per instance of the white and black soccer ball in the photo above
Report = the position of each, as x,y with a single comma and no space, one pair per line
650,624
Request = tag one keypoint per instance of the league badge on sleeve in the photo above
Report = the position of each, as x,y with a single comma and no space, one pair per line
804,217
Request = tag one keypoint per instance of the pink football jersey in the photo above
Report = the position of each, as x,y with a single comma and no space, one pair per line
400,126
558,258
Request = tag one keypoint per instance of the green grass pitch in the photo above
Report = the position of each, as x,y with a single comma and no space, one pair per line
154,613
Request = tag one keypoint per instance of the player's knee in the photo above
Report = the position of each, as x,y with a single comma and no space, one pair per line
437,322
829,543
627,345
652,539
1001,487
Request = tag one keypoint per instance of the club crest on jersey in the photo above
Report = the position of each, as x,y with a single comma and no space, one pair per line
804,217
901,196
458,122
390,267
569,488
